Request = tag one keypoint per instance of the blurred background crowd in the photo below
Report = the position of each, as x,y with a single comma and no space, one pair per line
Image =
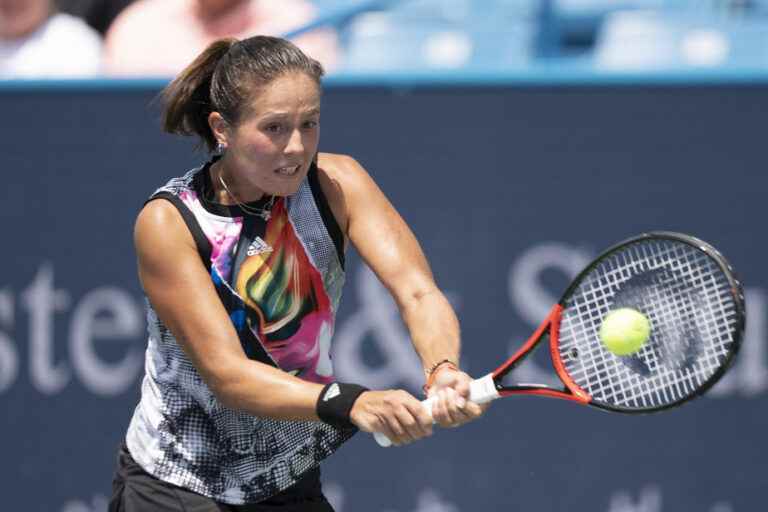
156,38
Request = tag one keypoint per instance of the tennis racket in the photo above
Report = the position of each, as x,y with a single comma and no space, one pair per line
696,309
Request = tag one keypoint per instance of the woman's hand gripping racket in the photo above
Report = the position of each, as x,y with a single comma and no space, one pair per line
681,322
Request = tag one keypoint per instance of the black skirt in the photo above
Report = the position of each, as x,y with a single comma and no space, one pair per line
135,490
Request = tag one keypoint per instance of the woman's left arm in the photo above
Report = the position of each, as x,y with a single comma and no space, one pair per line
390,249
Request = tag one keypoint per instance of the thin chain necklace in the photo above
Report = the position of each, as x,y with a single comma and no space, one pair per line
265,213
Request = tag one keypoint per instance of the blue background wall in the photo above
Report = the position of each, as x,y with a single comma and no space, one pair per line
511,189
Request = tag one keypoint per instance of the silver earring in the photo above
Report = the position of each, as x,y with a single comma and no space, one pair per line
220,147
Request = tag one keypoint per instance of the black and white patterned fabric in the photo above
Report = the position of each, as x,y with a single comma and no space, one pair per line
180,433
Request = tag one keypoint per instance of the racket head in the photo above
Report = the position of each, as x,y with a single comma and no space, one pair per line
695,305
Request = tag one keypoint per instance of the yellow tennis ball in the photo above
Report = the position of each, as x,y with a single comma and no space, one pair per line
625,331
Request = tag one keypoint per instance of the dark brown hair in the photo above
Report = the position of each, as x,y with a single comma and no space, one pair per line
222,78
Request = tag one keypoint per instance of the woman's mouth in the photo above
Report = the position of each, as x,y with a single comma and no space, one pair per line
288,171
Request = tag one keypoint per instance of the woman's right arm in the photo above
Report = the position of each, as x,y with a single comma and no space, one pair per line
181,291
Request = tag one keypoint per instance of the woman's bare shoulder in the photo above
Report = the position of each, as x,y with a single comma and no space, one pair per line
337,165
157,214
160,224
343,170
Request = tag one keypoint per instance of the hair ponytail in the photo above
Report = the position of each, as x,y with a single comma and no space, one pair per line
187,98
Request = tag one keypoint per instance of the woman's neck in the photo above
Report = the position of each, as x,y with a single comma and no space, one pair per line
227,190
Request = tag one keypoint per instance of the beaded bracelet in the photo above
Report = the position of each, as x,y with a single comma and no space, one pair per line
432,372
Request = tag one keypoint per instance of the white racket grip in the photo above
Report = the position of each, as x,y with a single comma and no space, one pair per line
481,390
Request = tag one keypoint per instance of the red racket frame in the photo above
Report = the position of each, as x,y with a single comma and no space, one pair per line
571,390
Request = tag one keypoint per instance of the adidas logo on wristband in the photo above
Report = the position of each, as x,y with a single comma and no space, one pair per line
335,401
332,392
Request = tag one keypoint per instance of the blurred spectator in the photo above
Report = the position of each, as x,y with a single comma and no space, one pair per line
36,42
160,37
99,14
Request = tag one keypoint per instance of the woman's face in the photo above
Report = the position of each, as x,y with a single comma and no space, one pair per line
271,148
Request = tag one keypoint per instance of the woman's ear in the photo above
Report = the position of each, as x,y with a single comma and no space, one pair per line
219,127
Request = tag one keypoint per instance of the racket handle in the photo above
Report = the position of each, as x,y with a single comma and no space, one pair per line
481,390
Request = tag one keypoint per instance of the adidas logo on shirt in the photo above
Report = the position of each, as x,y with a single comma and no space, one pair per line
258,246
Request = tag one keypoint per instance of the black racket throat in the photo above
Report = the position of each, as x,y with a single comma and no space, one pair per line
546,335
523,387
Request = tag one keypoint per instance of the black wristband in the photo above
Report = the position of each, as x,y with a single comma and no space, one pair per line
335,403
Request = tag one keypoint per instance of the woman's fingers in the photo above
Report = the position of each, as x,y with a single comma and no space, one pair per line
397,414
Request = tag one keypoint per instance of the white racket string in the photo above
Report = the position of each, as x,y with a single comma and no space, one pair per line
689,302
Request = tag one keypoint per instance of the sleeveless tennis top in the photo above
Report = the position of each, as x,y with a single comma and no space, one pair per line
280,281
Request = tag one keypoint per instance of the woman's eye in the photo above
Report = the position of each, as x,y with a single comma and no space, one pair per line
274,128
310,124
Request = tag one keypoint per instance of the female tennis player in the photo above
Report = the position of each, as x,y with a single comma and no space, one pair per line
242,262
